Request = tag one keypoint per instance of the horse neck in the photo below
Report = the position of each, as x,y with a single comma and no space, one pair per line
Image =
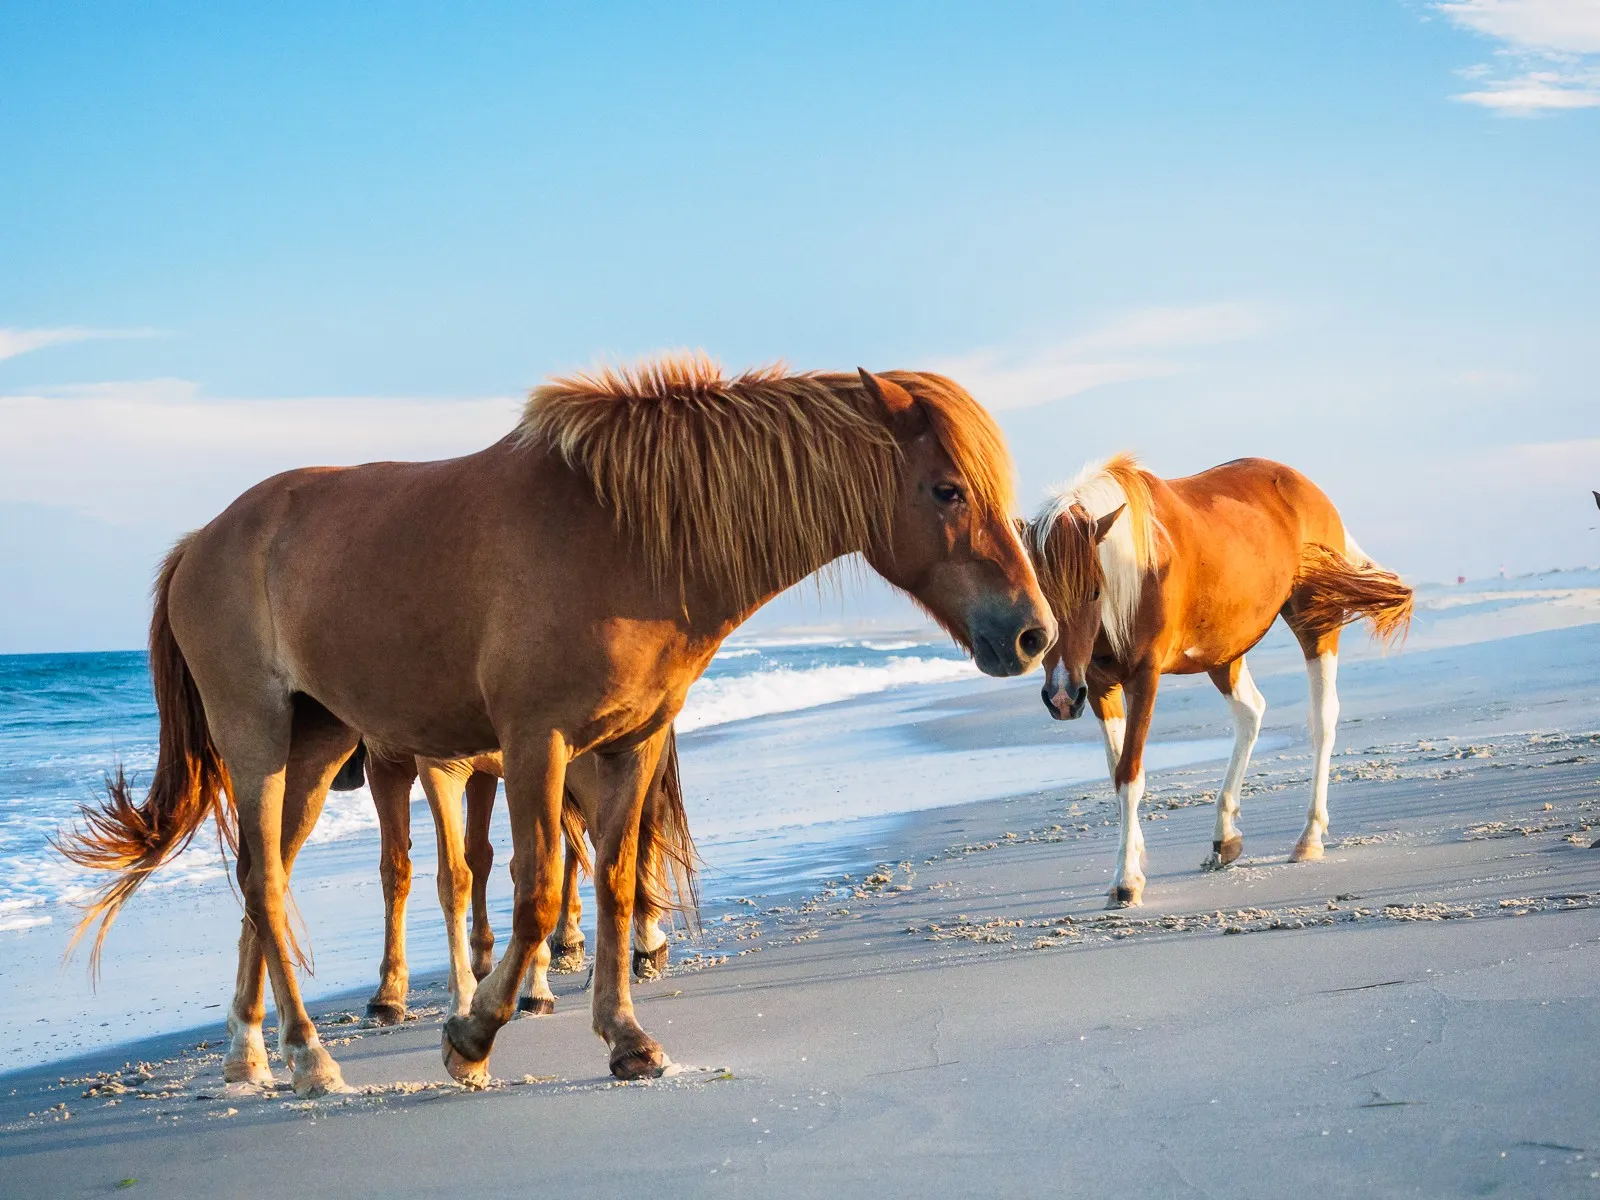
716,617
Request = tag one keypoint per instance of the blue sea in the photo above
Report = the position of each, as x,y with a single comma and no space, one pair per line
801,756
68,719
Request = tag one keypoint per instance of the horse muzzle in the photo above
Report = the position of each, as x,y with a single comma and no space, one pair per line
1011,644
1065,704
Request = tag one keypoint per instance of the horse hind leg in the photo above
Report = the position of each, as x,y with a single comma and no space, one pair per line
567,943
390,781
649,948
443,783
649,942
1322,670
481,789
246,1059
280,777
1248,706
537,1000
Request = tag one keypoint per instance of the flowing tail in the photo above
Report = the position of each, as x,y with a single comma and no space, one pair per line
666,854
665,840
189,785
1334,589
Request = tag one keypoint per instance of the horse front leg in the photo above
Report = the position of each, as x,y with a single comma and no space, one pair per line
1127,884
535,771
481,789
390,782
625,778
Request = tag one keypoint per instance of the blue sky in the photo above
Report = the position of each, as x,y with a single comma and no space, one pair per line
1356,236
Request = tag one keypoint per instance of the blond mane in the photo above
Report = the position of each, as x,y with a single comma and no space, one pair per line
747,484
1061,539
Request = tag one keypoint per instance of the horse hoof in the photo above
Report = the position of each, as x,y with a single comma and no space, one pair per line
650,964
645,1062
1306,852
482,966
539,1006
566,957
1125,896
469,1073
247,1070
316,1074
1226,852
383,1013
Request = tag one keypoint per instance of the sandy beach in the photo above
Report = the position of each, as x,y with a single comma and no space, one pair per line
937,1003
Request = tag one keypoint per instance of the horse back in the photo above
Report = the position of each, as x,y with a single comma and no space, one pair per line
421,602
1236,535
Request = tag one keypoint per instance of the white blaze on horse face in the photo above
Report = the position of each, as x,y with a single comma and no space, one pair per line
1248,705
1058,680
1323,717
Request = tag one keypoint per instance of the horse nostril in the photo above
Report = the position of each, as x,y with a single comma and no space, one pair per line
1044,694
1083,694
1032,643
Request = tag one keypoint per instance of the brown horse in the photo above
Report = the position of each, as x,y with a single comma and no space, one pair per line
551,596
666,861
1150,577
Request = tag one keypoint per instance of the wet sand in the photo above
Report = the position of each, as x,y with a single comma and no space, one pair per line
956,1014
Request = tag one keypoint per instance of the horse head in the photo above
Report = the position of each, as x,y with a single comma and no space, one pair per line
950,542
1065,552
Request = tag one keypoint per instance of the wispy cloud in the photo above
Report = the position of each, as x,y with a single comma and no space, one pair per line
161,452
15,341
1548,59
1144,344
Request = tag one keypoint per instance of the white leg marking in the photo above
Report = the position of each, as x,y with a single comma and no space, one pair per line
1130,853
1248,706
647,936
1323,717
536,983
1111,730
246,1060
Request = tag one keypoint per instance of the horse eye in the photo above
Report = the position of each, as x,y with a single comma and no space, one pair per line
1096,595
947,493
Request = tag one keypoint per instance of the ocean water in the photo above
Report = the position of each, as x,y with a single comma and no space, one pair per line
800,756
66,719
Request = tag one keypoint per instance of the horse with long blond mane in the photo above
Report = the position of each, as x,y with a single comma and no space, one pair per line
664,874
1150,577
550,596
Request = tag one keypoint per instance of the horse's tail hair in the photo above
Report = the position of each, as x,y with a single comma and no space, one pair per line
574,829
190,784
1334,589
665,842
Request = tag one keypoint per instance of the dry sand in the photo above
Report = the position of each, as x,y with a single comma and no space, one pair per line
1416,1015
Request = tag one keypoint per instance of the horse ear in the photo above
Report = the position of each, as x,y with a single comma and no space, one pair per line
890,394
1103,526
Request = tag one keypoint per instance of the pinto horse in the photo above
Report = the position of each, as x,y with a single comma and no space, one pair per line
665,863
1150,577
553,595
